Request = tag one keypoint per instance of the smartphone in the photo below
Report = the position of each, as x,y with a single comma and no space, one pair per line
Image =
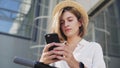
52,37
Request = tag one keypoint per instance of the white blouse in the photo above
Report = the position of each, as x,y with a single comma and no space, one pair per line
89,53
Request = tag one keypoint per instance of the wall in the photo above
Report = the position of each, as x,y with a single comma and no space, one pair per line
12,46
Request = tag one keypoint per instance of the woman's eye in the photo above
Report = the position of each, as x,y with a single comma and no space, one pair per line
61,22
70,20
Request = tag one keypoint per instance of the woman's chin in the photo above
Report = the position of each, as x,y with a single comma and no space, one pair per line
68,34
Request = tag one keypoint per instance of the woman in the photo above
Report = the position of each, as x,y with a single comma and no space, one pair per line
70,22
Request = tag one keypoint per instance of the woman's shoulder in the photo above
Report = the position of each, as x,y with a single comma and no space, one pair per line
93,44
89,44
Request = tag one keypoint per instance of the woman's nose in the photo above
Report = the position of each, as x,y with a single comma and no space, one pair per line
66,24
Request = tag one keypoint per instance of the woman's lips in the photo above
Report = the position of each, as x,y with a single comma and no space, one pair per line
67,30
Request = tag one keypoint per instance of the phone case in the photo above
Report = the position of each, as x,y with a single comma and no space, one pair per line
53,37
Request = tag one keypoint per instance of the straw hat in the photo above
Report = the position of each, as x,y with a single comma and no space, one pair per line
74,4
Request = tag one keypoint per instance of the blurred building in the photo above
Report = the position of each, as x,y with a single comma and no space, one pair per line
23,24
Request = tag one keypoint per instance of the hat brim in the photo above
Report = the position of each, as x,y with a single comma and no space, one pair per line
74,4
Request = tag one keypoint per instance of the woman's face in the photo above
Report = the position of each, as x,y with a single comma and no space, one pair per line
69,24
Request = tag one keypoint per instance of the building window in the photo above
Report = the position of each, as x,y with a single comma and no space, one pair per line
16,17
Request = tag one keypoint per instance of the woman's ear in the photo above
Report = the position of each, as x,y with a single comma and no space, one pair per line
80,22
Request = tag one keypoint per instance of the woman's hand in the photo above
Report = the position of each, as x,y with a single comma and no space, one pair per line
47,56
64,52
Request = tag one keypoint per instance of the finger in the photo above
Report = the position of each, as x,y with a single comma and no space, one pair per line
66,58
60,53
47,47
51,57
60,48
49,53
60,57
59,44
67,49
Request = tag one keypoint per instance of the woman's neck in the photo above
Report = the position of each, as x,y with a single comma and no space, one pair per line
73,41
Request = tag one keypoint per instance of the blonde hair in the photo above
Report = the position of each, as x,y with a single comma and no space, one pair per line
55,28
